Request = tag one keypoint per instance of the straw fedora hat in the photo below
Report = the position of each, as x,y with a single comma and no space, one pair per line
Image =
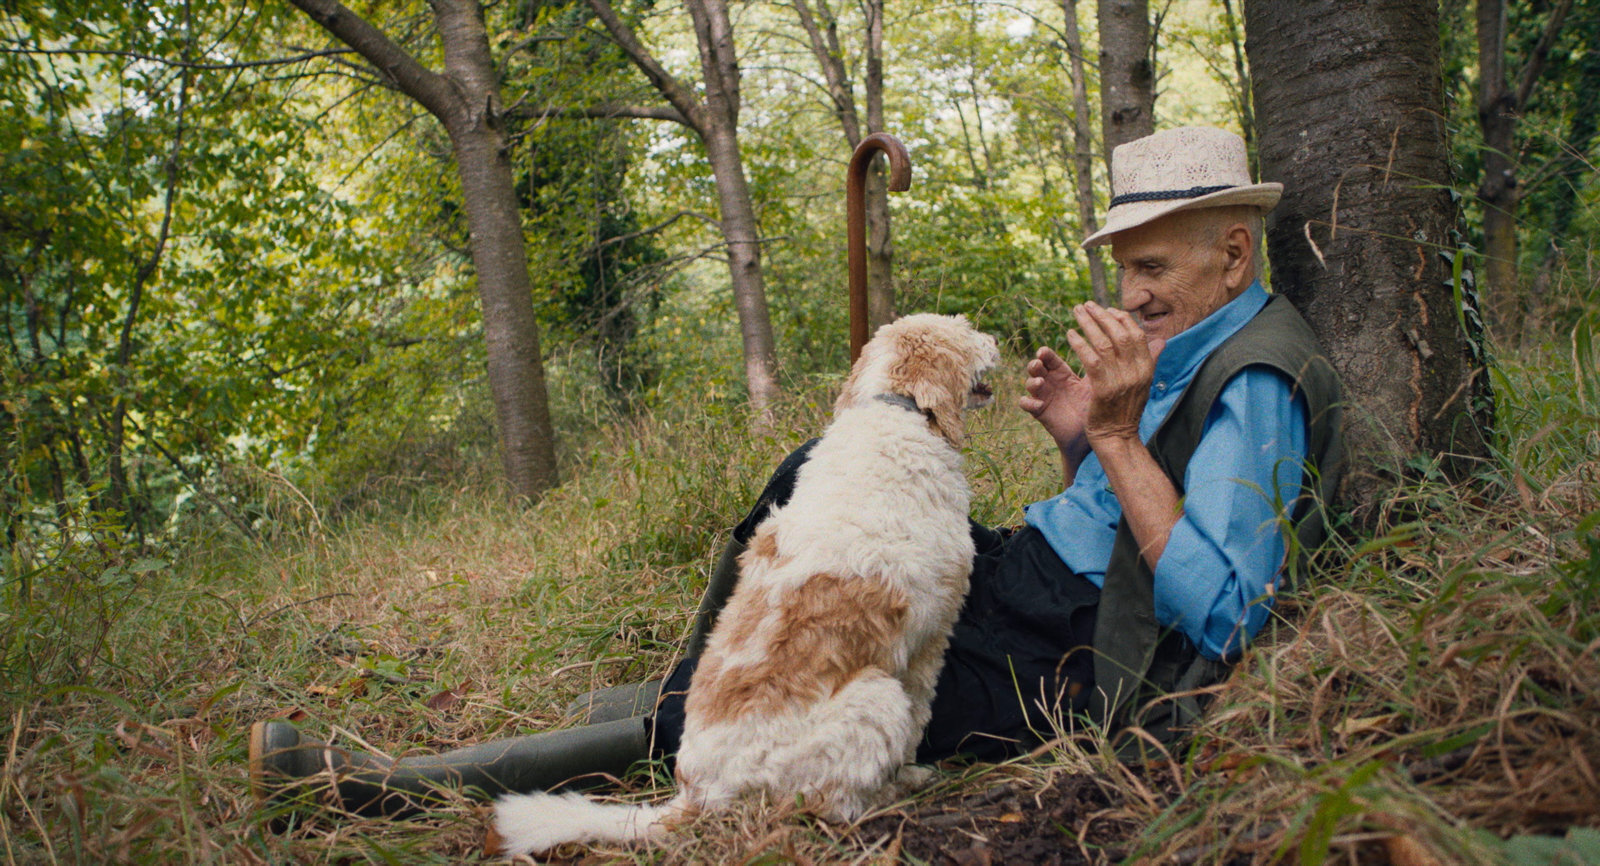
1179,169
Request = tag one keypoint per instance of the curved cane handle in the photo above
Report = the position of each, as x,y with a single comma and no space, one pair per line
855,208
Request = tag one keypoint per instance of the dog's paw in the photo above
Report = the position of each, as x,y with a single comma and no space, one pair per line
914,777
908,780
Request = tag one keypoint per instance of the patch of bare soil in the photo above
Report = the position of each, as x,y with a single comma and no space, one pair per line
1071,820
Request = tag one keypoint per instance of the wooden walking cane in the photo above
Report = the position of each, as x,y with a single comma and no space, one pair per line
855,210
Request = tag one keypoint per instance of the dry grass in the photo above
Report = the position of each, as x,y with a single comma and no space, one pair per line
1423,698
1436,692
447,621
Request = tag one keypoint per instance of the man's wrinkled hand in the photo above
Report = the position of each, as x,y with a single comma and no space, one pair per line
1119,363
1058,399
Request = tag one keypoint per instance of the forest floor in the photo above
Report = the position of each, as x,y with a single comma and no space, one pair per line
1430,696
1013,823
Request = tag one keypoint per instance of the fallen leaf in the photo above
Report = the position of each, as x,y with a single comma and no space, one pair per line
977,855
443,701
1405,850
1350,727
137,737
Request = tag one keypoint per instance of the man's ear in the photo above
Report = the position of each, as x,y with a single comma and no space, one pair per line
1239,247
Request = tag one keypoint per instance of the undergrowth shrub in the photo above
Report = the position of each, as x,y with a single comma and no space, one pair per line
1432,685
1430,696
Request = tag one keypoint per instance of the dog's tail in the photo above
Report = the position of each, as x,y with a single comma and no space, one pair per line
536,823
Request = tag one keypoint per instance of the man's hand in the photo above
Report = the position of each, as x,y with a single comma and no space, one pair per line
1118,364
1059,400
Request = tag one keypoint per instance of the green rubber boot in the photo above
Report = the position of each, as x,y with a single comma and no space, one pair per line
636,699
284,766
614,702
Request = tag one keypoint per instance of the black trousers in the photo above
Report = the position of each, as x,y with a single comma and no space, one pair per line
1018,658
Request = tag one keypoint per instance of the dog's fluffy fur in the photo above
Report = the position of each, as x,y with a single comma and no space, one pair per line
818,678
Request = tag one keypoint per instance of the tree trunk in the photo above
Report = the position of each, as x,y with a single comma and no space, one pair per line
499,254
1498,190
719,67
1356,241
822,32
716,121
744,264
880,240
1083,153
1127,81
467,102
1499,105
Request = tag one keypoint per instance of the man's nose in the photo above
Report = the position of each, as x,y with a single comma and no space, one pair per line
1133,296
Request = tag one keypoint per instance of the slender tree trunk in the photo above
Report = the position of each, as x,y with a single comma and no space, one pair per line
880,240
467,102
719,67
122,492
1499,105
822,31
499,253
1127,80
1242,107
716,121
1356,241
1083,153
1497,120
744,264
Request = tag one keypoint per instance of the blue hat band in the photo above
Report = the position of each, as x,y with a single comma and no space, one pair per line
1167,194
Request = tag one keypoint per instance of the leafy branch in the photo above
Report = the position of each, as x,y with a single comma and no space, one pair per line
168,61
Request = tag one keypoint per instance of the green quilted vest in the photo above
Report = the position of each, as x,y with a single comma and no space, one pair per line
1136,659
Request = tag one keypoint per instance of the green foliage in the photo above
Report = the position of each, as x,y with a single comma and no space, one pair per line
1580,847
182,326
276,494
1557,140
991,114
601,271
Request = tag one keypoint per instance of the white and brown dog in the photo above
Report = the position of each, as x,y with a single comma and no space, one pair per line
818,678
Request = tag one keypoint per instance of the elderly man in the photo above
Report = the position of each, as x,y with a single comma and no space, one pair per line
1204,423
1193,445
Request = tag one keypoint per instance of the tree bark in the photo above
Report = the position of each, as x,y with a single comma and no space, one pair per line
1499,105
1083,153
1127,80
1242,107
1366,212
822,32
716,121
466,100
719,68
880,240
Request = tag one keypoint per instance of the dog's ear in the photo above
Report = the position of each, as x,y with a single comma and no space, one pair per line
934,373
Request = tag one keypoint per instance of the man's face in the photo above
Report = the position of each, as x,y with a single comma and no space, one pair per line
1172,276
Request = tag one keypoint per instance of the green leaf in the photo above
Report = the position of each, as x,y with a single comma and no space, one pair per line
1581,847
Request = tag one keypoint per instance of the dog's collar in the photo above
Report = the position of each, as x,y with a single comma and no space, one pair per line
902,401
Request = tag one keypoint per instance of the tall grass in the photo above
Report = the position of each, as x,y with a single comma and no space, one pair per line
1436,689
1430,693
443,619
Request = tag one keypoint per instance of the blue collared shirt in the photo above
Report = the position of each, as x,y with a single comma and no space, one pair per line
1226,550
